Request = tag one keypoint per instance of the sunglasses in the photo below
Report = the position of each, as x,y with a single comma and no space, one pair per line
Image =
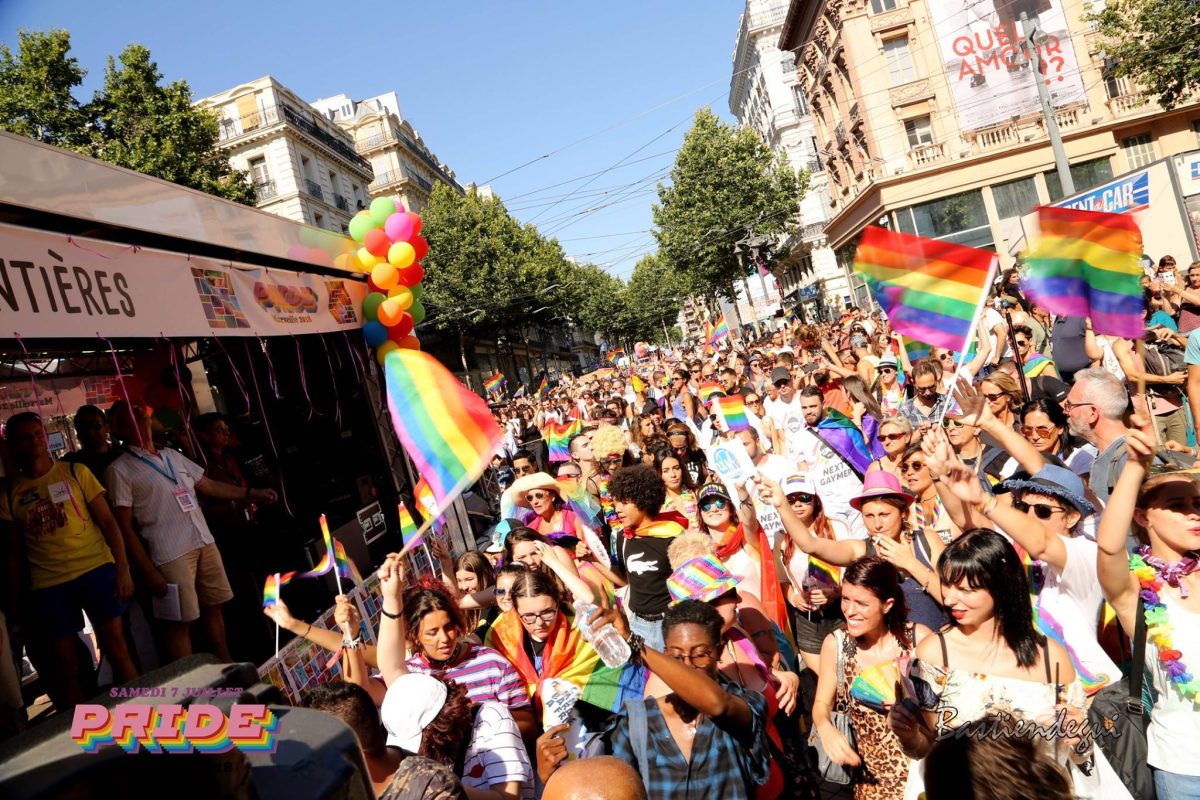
1042,431
1040,510
754,402
912,466
893,437
717,503
535,496
952,423
800,497
991,398
524,470
887,369
927,389
782,384
545,616
1022,342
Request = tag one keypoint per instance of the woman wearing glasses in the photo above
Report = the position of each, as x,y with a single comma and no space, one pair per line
929,512
894,434
1033,363
887,389
1044,424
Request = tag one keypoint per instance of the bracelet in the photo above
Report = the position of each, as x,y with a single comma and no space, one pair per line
987,506
636,645
388,614
352,644
306,630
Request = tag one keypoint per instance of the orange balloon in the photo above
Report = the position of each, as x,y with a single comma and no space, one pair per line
403,294
410,342
385,276
391,311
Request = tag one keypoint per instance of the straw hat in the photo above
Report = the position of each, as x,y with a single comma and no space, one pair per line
538,480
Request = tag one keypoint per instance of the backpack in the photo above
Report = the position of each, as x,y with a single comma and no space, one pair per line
1161,359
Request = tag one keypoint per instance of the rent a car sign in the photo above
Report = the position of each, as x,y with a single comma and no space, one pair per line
1131,193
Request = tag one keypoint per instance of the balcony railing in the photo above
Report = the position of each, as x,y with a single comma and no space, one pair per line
1125,104
424,184
341,202
265,190
925,154
232,128
993,138
314,188
387,179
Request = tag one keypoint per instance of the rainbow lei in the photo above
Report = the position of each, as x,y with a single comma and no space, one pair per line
1158,627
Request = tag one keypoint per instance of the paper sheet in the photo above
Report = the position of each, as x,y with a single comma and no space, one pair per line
167,606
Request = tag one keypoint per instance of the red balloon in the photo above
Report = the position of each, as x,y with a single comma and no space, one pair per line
376,242
400,331
410,342
412,275
416,223
420,245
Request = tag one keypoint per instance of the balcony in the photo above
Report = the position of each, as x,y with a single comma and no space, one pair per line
313,188
265,191
233,128
926,154
1125,104
995,138
387,179
341,202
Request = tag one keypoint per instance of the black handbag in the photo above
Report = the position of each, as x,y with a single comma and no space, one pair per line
829,769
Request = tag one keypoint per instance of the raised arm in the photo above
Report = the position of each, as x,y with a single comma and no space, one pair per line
983,351
1112,567
392,634
975,412
577,586
831,551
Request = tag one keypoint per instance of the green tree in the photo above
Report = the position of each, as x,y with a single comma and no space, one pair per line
725,183
139,123
652,300
596,301
36,89
1155,43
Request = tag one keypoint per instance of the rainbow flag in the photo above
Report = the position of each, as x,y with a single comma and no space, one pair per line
827,575
273,585
447,429
614,355
558,438
543,387
1087,264
408,527
840,433
719,331
732,411
424,497
345,566
519,393
916,350
931,290
708,332
708,389
789,315
494,384
327,560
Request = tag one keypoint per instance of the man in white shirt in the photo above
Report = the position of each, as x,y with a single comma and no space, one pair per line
784,416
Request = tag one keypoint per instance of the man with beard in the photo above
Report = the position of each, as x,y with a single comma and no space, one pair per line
1095,409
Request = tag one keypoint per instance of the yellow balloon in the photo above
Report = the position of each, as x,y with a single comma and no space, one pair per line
391,310
367,258
381,352
384,276
401,294
401,254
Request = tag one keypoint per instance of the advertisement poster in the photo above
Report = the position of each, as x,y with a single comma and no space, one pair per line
987,63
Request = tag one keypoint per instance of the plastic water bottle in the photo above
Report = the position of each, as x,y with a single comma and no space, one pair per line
611,647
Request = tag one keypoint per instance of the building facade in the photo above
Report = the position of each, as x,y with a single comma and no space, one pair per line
405,169
303,166
765,93
928,119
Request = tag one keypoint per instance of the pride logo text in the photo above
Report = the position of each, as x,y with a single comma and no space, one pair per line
165,728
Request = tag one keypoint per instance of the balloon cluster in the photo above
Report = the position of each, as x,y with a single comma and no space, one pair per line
391,251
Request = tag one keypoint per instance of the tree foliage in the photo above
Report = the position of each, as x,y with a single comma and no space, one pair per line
1155,43
725,183
135,120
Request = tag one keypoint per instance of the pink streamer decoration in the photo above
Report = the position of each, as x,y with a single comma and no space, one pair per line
124,389
32,382
236,376
360,371
271,381
267,425
185,403
304,381
337,399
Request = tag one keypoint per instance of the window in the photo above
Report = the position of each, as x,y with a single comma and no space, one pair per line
258,171
880,6
318,219
899,60
333,183
919,132
1085,176
306,167
1015,198
1139,150
958,218
798,100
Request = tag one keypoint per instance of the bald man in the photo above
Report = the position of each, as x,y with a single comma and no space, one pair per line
596,778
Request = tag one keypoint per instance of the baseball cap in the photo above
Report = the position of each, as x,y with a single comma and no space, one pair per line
714,489
794,484
412,701
780,374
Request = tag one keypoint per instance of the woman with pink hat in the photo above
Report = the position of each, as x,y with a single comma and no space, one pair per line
884,505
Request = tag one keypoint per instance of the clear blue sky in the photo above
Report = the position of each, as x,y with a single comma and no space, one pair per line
488,85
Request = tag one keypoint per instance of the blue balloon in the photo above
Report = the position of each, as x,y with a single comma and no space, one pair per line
375,333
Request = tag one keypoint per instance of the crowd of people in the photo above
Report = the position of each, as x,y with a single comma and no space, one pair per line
934,574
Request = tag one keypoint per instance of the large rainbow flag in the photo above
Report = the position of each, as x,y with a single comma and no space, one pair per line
447,430
1087,264
930,289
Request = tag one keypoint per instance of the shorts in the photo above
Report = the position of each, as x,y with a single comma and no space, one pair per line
200,576
810,635
57,608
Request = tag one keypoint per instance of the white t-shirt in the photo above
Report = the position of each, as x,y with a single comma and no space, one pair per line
788,419
992,318
777,469
496,753
836,483
1173,738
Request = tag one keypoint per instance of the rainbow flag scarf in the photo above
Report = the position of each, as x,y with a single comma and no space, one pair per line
930,289
719,331
1087,264
543,387
327,560
558,438
732,411
408,527
448,430
494,384
1051,628
840,433
1035,365
569,657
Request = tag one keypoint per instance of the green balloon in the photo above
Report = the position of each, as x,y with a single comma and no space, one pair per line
360,225
381,209
371,305
418,312
417,291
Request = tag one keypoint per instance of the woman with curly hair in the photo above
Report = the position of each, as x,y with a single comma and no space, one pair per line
430,716
645,427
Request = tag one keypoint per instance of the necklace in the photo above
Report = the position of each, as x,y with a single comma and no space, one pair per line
1151,573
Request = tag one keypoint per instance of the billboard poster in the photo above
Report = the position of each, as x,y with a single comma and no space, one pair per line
987,58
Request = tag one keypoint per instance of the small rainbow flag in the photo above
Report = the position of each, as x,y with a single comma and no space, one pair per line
826,574
326,563
558,438
424,498
708,332
447,429
271,589
930,289
720,330
708,389
614,355
732,410
790,315
408,527
1087,264
543,387
519,393
494,384
345,566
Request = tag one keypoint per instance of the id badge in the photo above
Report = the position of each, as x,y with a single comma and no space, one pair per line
60,492
185,498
